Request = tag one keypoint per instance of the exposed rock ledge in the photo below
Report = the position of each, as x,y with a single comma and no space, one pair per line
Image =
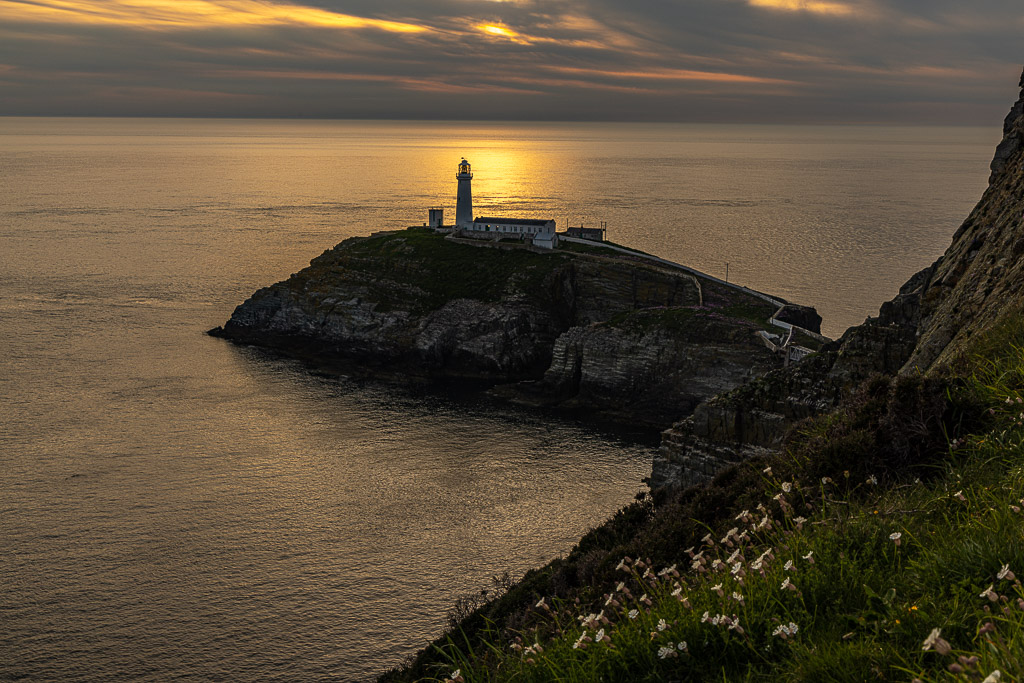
633,341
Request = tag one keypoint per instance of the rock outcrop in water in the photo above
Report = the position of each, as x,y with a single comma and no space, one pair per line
972,285
634,341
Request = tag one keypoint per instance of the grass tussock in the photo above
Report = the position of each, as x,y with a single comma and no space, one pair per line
883,545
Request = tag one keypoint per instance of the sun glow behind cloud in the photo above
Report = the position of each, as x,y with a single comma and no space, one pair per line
190,13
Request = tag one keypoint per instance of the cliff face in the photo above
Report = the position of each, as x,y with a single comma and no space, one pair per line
978,279
980,276
430,307
649,367
634,341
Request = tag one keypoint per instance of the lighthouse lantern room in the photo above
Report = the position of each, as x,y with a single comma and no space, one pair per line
464,199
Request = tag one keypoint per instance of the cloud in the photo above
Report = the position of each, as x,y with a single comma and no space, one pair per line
155,14
816,6
717,60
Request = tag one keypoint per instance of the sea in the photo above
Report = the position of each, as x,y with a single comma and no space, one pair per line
173,506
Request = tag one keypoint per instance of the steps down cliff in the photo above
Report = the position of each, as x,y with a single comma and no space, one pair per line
971,286
634,341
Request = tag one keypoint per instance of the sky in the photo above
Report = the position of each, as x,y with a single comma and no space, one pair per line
750,61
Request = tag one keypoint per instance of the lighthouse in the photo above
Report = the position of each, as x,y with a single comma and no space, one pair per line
464,202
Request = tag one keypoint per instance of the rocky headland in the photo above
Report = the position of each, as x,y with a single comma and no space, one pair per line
613,335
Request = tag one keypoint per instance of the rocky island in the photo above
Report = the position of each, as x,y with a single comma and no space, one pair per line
621,335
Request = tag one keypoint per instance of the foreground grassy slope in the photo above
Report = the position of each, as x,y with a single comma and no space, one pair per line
881,546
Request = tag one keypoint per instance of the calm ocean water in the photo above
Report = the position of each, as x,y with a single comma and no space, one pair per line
174,506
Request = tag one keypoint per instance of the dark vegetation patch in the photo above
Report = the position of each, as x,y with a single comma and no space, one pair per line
419,270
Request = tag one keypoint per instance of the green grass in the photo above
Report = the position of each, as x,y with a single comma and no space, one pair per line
418,270
938,462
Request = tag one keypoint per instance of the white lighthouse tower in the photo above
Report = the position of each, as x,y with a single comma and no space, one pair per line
464,201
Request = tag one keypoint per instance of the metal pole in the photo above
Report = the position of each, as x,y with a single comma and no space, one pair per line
726,271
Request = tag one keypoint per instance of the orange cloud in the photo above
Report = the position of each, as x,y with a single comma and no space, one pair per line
190,13
815,6
674,75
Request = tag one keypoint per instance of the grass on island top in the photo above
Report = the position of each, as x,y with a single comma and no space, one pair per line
426,270
882,545
420,270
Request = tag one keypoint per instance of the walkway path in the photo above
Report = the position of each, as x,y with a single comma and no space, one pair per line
696,273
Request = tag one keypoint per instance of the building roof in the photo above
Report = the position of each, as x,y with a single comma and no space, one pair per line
516,221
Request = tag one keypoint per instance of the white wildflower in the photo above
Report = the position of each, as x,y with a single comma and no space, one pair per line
873,480
682,646
666,652
936,642
993,677
826,480
786,487
767,470
789,566
990,594
895,537
662,625
1005,573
